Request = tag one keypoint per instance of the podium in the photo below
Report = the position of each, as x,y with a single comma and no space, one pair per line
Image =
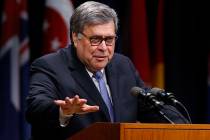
142,131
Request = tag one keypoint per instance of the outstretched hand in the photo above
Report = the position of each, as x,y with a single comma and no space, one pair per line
75,105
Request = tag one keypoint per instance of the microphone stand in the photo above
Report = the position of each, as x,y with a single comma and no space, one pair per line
158,106
167,118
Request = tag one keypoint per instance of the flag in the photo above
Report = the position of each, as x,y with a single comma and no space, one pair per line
158,61
24,52
139,39
14,56
56,24
148,57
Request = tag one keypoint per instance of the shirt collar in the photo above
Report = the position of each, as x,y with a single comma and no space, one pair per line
91,74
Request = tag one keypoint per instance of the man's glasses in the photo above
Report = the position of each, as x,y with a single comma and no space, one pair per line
96,40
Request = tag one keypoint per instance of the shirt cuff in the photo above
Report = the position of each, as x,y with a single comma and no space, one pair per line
64,119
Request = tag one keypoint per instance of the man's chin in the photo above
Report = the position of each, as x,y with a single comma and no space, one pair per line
100,67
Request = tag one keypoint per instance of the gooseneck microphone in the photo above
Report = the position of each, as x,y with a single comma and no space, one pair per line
147,97
169,98
151,99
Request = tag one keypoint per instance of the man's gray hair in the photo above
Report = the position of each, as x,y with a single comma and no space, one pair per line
92,13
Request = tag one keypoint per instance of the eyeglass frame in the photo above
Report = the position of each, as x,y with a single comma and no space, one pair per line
101,38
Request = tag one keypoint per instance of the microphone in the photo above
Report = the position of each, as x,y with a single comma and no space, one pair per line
165,96
150,98
169,97
146,96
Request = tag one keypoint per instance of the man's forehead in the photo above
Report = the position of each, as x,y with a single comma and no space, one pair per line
105,28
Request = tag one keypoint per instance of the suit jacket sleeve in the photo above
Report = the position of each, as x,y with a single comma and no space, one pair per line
43,92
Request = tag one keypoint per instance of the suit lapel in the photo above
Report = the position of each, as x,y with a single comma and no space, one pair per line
81,76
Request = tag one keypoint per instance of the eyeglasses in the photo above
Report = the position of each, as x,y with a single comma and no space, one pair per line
96,40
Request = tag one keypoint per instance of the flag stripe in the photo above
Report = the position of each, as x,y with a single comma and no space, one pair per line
56,25
158,70
139,39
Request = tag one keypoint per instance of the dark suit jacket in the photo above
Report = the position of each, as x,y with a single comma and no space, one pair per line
61,74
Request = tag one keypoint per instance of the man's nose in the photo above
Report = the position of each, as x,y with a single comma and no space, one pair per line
103,45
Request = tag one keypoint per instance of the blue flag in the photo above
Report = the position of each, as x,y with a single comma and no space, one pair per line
14,60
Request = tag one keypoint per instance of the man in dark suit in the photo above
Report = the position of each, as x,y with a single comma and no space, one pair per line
65,94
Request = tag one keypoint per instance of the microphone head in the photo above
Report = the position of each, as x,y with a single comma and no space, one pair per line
171,97
166,96
157,90
137,91
146,96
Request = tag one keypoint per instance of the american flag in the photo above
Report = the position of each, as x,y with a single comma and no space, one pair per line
14,61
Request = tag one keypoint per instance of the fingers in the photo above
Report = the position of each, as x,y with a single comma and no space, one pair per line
59,102
75,105
75,100
68,100
89,108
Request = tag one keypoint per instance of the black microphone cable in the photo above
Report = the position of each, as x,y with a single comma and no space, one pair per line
169,98
150,98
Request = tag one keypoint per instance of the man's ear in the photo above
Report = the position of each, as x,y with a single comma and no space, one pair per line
75,39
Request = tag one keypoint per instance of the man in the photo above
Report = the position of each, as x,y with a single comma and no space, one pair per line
66,92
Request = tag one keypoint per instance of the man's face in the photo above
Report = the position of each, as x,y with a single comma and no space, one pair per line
91,47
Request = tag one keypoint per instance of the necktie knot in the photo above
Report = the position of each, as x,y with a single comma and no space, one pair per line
98,75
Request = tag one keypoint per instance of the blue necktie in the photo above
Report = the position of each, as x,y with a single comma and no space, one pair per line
104,93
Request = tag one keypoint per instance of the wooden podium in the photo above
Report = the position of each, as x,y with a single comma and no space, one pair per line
140,131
